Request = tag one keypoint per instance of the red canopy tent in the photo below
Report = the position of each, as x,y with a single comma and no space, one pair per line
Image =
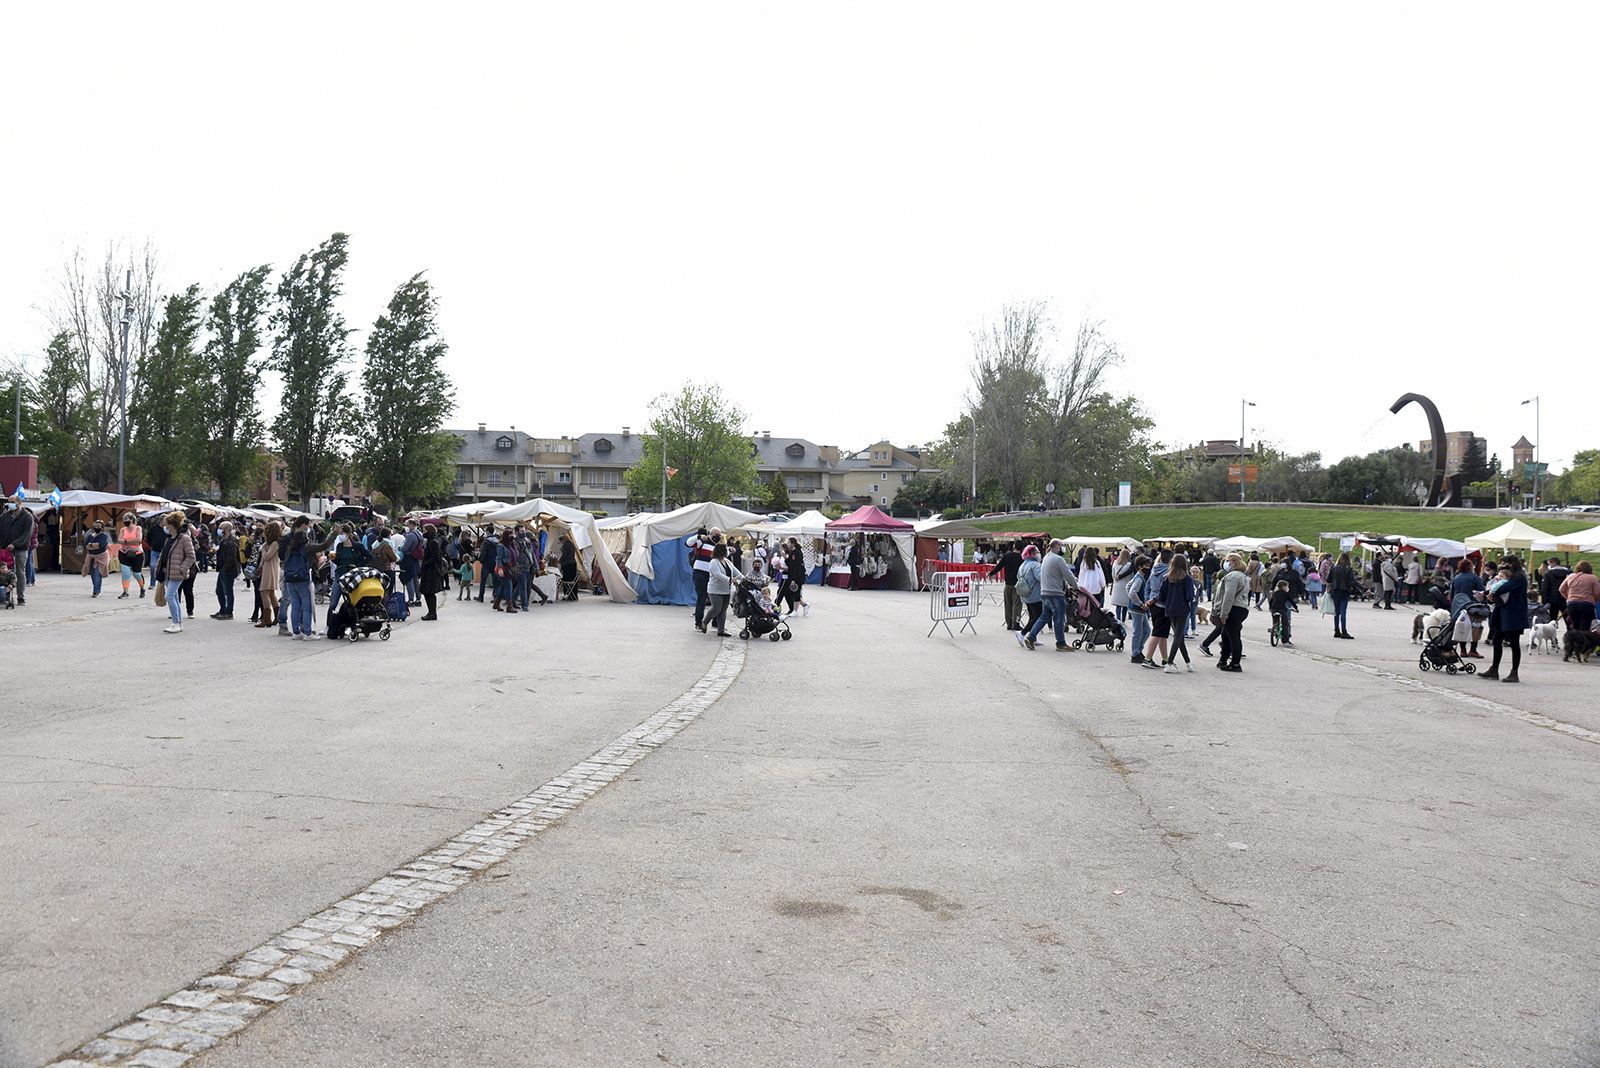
902,568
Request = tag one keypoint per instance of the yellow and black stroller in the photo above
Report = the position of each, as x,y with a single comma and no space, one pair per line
363,608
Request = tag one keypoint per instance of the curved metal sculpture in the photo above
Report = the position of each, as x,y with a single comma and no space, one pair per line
1446,489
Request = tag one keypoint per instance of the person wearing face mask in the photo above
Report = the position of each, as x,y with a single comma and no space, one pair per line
1136,609
1231,603
130,553
97,555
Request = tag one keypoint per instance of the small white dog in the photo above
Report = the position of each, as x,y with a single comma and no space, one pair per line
1439,617
1547,634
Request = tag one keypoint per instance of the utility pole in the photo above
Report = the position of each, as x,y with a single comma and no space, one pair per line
974,459
16,440
663,472
122,386
1242,404
1537,470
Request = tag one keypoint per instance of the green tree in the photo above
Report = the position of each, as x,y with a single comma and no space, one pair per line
775,494
924,493
227,386
1289,478
406,397
1580,483
1475,463
703,435
1009,380
160,412
309,352
1389,476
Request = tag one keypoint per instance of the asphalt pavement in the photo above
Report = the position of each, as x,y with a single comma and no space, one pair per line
874,846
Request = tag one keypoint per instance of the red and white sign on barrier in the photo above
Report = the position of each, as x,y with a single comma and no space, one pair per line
954,596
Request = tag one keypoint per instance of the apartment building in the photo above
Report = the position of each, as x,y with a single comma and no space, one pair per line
875,474
509,465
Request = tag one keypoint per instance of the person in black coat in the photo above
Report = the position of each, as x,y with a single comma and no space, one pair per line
1509,594
433,571
569,565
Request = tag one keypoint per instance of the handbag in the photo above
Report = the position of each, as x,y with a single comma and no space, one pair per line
161,595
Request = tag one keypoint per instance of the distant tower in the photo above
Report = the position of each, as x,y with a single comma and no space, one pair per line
1521,453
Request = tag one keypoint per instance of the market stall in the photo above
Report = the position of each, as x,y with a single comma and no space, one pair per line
951,533
592,552
1579,541
658,563
78,510
617,531
1244,544
887,545
810,529
475,513
1511,535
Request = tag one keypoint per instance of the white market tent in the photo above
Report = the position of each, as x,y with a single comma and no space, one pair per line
658,563
617,531
1512,534
475,512
1243,544
585,535
1444,548
1180,541
1579,541
1085,541
808,524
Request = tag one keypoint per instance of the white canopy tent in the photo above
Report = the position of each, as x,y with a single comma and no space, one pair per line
809,524
1243,544
1579,541
1512,534
617,531
473,513
1180,541
677,524
585,535
1085,541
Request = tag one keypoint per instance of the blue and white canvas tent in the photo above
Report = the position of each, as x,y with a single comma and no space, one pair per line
658,565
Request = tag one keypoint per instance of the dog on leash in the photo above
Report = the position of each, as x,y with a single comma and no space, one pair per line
1439,617
1579,644
1203,615
1547,635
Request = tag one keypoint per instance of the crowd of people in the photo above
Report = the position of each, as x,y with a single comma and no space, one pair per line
289,569
718,565
1162,597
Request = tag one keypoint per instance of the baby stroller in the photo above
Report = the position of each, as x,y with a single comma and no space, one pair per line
363,610
322,581
1439,650
758,621
7,578
1099,627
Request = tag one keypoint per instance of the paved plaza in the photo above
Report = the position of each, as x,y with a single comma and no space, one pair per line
591,835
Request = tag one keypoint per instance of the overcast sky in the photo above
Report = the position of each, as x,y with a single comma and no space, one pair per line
1320,208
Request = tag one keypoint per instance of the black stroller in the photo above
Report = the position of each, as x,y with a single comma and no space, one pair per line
758,621
1439,650
322,581
1098,627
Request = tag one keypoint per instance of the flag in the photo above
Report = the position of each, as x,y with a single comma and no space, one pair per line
55,497
21,494
672,472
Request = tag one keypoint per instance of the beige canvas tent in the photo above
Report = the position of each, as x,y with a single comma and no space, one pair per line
1512,534
585,535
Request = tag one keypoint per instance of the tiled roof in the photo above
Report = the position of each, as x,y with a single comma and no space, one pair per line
478,446
593,450
788,454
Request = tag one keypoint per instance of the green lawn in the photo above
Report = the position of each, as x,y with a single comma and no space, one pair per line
1227,521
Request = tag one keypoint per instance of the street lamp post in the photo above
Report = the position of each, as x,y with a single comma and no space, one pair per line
1242,405
1537,470
122,386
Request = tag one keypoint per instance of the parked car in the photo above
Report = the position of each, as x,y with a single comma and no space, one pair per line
273,507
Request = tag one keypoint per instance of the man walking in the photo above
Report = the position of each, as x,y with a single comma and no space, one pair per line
16,534
1010,561
702,544
1056,584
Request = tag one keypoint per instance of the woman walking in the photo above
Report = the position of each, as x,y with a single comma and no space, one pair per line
97,555
794,577
1509,594
1232,603
719,587
270,574
1030,587
433,572
1121,573
177,562
1341,584
1581,591
130,553
1091,581
1178,594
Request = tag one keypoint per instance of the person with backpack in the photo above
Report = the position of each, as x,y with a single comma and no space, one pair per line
296,555
1029,588
411,554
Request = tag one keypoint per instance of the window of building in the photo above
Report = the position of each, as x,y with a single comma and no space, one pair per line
503,443
883,500
281,474
603,445
564,477
796,449
602,479
802,483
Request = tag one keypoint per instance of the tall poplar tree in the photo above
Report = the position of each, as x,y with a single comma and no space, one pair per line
309,351
159,412
407,394
227,402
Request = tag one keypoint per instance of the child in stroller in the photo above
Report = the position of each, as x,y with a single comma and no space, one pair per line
322,579
1442,646
1099,627
362,608
753,604
8,578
